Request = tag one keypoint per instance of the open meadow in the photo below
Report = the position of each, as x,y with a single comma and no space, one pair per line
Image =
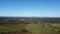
33,28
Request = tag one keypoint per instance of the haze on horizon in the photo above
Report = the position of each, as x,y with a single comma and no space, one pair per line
30,8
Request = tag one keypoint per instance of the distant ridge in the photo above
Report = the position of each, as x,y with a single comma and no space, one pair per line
24,17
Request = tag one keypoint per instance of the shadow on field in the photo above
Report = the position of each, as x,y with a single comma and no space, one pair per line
17,32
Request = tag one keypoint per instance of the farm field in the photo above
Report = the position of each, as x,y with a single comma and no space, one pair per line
34,28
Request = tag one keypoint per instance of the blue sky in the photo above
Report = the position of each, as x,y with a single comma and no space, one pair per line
30,8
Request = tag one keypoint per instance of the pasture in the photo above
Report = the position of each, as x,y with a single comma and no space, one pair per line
34,28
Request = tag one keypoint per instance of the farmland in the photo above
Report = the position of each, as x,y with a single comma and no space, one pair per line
31,25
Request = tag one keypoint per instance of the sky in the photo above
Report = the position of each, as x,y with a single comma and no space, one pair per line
30,8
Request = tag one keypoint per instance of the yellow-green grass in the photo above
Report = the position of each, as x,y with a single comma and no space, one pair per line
11,27
34,28
39,29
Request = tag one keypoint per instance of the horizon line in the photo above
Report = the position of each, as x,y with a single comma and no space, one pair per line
30,16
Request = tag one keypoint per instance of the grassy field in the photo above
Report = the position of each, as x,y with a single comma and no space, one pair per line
11,27
34,28
38,29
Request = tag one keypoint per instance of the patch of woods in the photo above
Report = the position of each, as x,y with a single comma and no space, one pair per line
26,20
17,32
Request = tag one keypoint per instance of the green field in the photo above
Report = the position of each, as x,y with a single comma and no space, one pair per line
11,27
34,28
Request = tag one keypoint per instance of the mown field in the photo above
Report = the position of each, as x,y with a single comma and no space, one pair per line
34,28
